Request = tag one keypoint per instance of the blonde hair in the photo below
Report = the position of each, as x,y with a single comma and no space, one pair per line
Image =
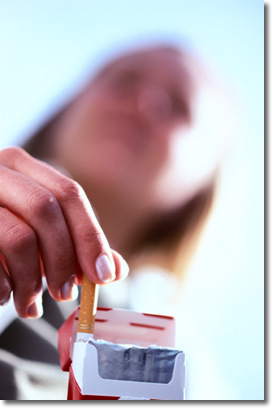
171,242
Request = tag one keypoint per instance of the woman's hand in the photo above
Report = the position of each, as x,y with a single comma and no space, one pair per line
47,227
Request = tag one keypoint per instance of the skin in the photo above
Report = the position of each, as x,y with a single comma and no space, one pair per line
118,142
47,228
141,132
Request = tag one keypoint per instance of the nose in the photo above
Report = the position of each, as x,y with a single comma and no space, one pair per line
154,103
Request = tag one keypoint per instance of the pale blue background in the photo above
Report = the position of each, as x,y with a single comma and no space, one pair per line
46,45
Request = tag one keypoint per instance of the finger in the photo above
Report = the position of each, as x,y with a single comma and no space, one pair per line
92,249
39,209
122,268
18,244
5,285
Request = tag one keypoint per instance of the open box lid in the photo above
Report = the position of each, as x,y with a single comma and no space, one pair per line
118,326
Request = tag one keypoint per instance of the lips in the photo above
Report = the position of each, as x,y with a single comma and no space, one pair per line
127,130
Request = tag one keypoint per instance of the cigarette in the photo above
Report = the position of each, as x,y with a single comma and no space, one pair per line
87,310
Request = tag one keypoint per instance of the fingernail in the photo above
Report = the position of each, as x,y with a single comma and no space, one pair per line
69,290
124,268
105,269
35,310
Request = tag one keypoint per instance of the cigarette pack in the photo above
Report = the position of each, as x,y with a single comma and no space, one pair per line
131,356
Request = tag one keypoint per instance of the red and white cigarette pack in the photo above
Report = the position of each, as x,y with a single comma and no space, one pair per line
118,326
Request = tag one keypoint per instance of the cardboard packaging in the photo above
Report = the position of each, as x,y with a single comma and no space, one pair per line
122,327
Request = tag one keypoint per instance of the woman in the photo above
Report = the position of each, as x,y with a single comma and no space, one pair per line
132,163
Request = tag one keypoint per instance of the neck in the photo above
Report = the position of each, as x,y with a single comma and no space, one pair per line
121,221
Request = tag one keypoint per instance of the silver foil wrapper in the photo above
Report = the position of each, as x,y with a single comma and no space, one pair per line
133,363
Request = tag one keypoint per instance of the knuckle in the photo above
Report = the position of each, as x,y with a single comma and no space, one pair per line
92,237
69,190
20,237
43,204
11,152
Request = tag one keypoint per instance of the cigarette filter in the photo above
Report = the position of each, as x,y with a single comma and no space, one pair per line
88,306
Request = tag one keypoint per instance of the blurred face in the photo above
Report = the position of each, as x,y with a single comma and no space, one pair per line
143,129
